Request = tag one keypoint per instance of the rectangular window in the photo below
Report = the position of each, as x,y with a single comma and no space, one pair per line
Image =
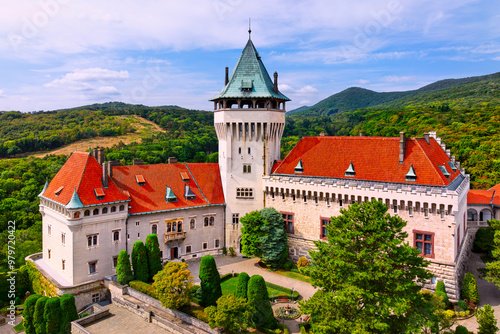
115,261
340,202
63,238
249,150
217,243
293,197
247,168
288,221
244,192
93,267
49,230
395,209
324,223
116,235
48,253
442,214
305,198
426,212
316,200
136,223
92,240
96,298
63,265
188,249
192,224
410,211
424,242
205,245
328,201
236,218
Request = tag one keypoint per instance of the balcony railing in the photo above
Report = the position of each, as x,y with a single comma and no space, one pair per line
174,236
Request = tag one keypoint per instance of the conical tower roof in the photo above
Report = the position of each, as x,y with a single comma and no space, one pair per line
250,78
75,202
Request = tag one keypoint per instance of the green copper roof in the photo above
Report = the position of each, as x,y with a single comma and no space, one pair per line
350,170
74,202
299,168
170,196
250,78
44,187
411,176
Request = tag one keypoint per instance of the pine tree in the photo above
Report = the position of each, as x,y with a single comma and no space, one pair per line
486,320
28,314
140,262
154,255
274,242
262,312
52,315
242,287
38,319
210,281
123,268
69,312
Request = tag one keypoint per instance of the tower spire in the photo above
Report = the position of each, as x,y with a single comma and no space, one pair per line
249,29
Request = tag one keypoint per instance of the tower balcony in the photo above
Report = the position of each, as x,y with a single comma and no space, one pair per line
174,236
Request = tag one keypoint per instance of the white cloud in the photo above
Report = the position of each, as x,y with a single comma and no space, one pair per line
1,94
363,82
89,75
306,90
397,79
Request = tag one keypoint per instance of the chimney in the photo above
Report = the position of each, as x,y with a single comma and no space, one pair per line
452,158
94,153
360,134
438,139
105,175
322,134
138,162
111,164
227,75
276,82
443,146
100,156
427,138
402,146
448,153
458,164
172,160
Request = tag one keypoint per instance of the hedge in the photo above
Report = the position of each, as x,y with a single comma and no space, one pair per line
144,288
69,312
286,290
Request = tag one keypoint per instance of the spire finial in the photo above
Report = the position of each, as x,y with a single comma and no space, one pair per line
249,28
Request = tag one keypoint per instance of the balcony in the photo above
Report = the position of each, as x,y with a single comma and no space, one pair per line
174,236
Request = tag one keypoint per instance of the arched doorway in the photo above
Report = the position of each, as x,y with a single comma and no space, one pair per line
471,215
485,215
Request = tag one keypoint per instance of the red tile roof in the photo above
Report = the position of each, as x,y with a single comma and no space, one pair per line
151,196
373,158
83,173
480,196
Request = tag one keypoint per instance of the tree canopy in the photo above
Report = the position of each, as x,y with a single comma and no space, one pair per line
232,313
173,285
367,274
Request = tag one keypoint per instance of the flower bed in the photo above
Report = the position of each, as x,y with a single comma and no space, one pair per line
287,312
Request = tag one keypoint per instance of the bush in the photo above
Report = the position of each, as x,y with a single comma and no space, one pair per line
473,291
28,314
69,312
232,252
144,288
224,250
84,315
262,312
484,240
210,281
466,286
123,268
486,320
173,285
461,330
52,315
140,261
288,265
441,292
242,287
38,319
462,305
154,255
302,263
232,314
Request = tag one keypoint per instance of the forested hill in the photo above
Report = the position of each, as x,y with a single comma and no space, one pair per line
356,98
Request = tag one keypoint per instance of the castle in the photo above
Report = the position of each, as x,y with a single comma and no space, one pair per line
93,209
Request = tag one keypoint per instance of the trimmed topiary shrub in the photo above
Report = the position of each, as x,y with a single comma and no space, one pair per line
210,281
28,314
52,315
140,261
38,319
473,291
288,265
242,287
462,305
154,255
224,250
69,312
461,330
465,285
123,268
262,313
441,292
302,262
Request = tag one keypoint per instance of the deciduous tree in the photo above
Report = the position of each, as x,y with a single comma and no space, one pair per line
173,285
251,233
232,313
367,273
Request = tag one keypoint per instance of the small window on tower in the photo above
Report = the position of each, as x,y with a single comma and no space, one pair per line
249,150
239,150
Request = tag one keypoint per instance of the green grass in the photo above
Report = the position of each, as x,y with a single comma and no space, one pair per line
293,275
230,286
19,327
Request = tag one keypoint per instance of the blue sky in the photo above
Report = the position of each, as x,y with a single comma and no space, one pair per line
66,53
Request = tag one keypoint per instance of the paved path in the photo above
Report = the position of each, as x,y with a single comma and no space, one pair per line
488,293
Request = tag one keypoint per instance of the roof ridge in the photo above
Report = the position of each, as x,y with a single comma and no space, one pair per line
492,196
83,172
195,182
428,159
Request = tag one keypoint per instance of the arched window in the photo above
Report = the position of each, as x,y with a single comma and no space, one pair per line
472,215
113,209
96,212
154,229
206,222
86,213
77,214
179,226
116,235
192,224
104,210
485,215
122,207
169,227
174,226
212,221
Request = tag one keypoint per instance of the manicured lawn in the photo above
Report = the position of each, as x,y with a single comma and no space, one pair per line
19,327
230,285
293,275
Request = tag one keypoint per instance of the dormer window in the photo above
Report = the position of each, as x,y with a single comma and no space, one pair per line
184,176
452,166
246,85
299,168
99,193
169,195
188,193
445,172
411,176
350,172
140,180
58,191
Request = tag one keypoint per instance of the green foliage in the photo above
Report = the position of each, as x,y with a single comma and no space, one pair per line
432,314
251,233
302,262
154,255
262,312
484,240
274,241
38,320
224,250
368,274
462,305
493,268
69,312
53,316
210,281
461,330
469,288
232,313
441,292
123,268
486,320
242,287
41,285
288,265
28,314
173,285
140,261
146,288
232,252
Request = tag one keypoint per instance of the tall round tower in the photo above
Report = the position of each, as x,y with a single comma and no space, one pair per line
249,118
